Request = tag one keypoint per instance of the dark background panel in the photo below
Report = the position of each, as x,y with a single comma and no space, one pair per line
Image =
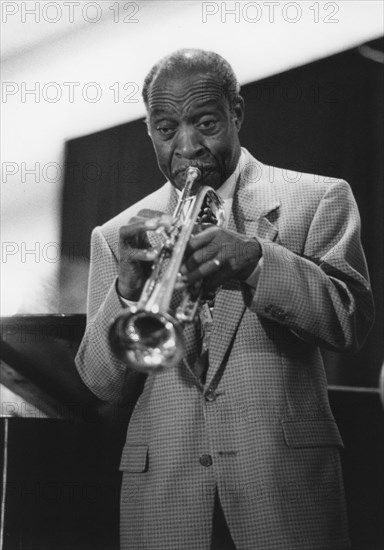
105,173
63,485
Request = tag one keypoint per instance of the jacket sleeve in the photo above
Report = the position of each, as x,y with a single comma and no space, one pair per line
324,295
100,370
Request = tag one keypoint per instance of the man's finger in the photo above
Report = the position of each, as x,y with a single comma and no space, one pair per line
142,225
198,240
200,257
134,234
204,271
139,255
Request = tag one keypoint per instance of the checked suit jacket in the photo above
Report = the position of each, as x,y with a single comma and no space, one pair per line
260,430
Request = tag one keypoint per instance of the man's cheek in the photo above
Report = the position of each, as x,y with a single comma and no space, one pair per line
163,157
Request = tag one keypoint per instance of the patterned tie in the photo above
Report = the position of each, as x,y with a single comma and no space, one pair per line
205,320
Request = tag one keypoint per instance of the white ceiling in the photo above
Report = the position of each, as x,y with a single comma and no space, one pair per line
22,31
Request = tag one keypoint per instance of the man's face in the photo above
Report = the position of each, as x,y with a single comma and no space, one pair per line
190,124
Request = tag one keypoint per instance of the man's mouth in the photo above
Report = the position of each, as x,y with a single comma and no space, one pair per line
182,171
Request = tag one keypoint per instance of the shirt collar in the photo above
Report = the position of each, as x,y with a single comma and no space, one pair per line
227,190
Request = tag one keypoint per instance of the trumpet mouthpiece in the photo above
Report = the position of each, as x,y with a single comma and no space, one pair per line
193,172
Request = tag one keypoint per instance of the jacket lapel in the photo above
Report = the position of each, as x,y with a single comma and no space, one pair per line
255,211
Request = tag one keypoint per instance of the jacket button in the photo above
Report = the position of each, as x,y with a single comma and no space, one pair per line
280,314
210,395
205,460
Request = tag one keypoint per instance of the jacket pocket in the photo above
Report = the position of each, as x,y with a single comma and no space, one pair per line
311,433
134,459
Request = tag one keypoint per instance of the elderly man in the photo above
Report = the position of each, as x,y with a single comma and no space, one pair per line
240,450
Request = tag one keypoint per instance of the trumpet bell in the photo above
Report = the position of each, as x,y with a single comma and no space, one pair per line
147,341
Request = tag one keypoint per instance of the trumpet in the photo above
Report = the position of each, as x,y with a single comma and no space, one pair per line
149,337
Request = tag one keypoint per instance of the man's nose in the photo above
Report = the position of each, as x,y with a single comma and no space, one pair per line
189,144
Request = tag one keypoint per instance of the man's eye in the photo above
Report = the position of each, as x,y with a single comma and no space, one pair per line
165,130
208,124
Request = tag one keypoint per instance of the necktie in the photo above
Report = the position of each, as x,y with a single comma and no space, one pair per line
205,320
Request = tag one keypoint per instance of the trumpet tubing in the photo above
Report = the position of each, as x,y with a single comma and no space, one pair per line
148,337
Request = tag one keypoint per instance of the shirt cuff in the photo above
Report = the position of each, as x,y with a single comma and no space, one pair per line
254,276
124,301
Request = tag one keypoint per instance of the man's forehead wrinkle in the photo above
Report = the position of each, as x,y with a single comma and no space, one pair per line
163,102
181,86
201,93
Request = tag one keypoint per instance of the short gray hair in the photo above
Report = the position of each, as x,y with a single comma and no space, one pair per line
189,60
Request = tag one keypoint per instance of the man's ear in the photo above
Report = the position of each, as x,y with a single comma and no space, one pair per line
238,112
146,121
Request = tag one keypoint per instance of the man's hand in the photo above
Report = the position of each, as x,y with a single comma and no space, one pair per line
218,255
136,255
